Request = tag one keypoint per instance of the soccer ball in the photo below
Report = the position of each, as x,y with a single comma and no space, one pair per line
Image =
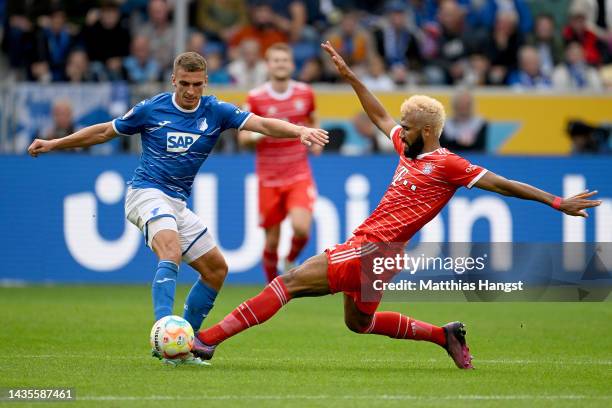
172,336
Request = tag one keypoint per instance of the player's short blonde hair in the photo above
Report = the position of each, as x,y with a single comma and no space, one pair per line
189,62
425,111
279,46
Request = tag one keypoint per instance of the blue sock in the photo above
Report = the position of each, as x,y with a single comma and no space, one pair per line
200,300
164,286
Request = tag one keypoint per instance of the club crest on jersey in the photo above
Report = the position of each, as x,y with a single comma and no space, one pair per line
428,168
180,142
202,125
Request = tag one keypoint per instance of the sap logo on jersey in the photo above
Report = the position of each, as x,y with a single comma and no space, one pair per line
179,142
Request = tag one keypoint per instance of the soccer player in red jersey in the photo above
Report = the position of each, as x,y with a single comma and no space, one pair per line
426,178
286,186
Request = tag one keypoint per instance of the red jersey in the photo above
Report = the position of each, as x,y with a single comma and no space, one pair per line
419,190
280,162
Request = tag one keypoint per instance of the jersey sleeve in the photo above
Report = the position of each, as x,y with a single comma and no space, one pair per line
133,121
231,116
461,172
398,143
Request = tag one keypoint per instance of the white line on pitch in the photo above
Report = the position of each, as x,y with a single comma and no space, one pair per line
343,397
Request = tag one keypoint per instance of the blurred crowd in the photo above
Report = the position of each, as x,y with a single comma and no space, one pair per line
527,44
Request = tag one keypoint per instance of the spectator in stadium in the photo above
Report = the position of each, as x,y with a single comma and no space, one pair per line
261,28
464,131
546,41
221,19
603,24
54,44
312,71
376,78
477,70
160,31
197,42
577,29
483,13
352,41
140,66
63,123
557,9
217,73
452,44
292,17
574,73
598,15
375,140
396,41
502,47
18,37
249,69
77,68
529,75
107,40
424,12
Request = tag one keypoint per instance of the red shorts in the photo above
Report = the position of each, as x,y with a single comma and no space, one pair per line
346,273
276,202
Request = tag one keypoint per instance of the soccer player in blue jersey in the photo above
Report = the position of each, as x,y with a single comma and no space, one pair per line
178,131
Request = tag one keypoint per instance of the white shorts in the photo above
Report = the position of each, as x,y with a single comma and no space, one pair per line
152,211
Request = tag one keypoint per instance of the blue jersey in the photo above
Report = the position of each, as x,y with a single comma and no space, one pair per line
176,141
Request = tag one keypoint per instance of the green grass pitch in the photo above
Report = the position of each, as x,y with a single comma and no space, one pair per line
95,340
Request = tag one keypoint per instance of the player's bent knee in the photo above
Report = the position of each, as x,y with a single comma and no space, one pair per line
354,326
301,231
357,323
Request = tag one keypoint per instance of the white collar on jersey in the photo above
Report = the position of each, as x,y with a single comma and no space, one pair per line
176,105
277,95
420,156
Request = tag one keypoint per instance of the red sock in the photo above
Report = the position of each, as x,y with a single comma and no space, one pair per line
398,326
270,261
297,244
252,312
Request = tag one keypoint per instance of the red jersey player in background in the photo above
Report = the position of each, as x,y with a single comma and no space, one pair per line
426,178
286,186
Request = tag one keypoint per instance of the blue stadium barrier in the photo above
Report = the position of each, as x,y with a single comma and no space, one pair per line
62,216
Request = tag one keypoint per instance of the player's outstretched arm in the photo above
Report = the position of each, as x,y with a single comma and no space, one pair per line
281,129
91,135
371,105
575,205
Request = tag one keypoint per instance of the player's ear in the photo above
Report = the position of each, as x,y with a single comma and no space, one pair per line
426,131
173,80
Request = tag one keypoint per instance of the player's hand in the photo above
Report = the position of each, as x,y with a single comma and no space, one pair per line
577,204
39,146
341,66
310,136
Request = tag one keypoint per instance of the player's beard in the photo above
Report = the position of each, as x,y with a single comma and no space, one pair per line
415,148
